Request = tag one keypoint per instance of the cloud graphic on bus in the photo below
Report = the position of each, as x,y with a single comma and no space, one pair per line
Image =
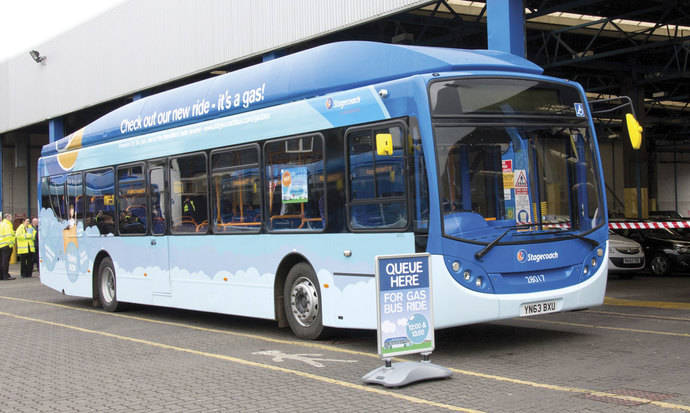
402,322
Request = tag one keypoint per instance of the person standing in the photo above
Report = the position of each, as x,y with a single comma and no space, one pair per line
25,247
34,224
6,244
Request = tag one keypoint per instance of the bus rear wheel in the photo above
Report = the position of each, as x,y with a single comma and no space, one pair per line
303,302
106,285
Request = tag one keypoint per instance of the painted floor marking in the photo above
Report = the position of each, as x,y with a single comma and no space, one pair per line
628,315
629,330
249,363
365,354
312,359
649,304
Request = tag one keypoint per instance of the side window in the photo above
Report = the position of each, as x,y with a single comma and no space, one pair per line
45,194
158,193
377,197
295,184
57,196
235,186
131,199
100,200
75,200
188,198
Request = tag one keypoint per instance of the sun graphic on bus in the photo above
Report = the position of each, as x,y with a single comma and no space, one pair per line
521,255
287,179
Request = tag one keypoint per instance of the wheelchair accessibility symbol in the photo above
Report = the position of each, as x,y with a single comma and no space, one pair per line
579,110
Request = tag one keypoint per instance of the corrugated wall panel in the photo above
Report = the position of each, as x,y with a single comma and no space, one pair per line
140,44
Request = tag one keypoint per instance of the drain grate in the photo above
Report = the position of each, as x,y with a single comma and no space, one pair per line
633,394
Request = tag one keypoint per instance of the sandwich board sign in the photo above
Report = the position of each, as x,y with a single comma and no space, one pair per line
405,319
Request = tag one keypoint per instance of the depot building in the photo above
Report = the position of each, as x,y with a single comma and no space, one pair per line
620,53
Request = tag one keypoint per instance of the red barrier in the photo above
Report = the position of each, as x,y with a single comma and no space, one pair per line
649,225
633,225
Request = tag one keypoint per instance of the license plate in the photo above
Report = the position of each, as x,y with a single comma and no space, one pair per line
634,260
539,307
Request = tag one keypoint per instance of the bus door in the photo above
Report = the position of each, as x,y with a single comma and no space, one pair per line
159,216
76,260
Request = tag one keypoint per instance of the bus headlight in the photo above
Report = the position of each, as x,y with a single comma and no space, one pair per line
467,275
456,266
600,252
594,262
586,270
478,282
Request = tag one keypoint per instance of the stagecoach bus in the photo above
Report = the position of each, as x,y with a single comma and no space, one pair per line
269,191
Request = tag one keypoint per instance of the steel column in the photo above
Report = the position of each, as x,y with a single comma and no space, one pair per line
505,25
56,129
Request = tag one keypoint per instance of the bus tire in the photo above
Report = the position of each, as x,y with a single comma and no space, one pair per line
303,302
107,292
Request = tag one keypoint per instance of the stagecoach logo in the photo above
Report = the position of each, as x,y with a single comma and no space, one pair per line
522,256
340,104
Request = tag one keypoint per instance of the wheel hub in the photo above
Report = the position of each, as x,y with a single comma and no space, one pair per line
108,284
304,301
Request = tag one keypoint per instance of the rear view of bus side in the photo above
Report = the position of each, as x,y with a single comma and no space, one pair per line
269,191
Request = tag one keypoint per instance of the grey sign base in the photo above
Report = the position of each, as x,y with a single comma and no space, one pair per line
402,374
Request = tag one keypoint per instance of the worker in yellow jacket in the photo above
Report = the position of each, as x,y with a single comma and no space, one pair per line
6,243
25,247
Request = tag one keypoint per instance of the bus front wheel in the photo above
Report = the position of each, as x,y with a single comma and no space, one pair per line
106,285
303,302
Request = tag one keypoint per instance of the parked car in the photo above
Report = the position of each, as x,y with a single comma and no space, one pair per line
625,255
664,248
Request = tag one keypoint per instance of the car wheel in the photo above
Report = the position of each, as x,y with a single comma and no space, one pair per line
106,285
659,265
303,302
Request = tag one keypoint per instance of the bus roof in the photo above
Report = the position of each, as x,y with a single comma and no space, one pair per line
313,72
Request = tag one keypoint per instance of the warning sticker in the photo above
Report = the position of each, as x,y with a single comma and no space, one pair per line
522,204
520,179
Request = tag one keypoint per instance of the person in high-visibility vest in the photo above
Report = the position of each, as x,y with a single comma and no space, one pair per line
6,244
189,208
25,247
34,225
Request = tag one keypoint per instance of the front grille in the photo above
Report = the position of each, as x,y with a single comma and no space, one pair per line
629,251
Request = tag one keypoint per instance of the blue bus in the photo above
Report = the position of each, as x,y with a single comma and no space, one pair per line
269,191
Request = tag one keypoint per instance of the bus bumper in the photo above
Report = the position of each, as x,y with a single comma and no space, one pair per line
455,305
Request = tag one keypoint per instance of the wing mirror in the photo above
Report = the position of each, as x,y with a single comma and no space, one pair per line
634,130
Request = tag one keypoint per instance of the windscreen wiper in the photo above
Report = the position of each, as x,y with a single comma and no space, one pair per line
590,241
479,254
